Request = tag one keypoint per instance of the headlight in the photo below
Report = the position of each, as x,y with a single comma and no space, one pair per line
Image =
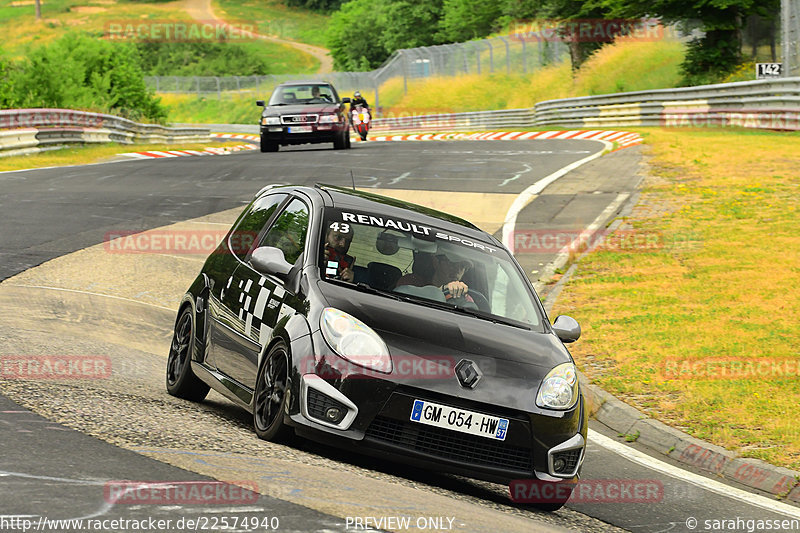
270,121
328,119
559,389
355,341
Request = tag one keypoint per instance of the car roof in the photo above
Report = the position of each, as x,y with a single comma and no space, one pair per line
366,201
308,82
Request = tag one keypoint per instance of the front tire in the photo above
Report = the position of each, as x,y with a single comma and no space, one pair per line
268,146
181,381
270,397
341,142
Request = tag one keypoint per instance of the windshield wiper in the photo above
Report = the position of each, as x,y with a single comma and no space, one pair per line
363,287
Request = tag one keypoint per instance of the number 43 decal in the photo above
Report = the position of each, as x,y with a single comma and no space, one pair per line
341,228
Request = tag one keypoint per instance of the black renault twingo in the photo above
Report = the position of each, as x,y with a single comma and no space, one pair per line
359,320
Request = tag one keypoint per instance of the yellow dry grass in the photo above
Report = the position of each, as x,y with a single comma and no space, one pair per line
624,66
721,290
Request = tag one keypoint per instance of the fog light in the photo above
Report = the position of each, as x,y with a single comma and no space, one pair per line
334,414
559,464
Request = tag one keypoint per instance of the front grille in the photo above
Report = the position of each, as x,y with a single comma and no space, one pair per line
317,403
571,458
299,119
449,444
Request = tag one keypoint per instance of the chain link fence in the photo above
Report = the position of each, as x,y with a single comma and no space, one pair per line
517,53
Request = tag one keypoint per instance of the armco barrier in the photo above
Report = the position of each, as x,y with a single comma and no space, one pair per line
32,130
765,104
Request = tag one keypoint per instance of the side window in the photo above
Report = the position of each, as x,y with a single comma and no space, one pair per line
244,236
288,233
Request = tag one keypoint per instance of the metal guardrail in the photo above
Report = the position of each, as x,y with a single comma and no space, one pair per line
766,104
25,131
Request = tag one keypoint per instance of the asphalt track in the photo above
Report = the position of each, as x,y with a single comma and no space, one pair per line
53,212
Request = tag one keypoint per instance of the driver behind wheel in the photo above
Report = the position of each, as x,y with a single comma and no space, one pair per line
447,269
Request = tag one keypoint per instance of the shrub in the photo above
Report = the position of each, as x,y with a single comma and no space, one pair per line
79,72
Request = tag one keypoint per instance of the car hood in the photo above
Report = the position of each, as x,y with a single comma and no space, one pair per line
510,359
413,328
310,109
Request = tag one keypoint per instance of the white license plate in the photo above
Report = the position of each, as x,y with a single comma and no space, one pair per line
300,129
443,416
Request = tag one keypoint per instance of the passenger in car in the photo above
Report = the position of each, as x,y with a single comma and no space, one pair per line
337,244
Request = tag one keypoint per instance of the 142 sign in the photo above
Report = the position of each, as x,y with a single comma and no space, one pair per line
768,70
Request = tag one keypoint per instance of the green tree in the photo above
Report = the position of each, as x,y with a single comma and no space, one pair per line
463,20
718,52
77,71
565,12
411,23
354,35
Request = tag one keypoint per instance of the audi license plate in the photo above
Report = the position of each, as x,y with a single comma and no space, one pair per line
300,129
443,416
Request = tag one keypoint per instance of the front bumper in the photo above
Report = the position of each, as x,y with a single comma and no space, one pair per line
320,133
378,423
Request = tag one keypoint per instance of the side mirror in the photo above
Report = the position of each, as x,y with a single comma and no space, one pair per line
260,103
567,328
345,100
269,260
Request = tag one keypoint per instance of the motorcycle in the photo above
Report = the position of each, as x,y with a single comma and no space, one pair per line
360,120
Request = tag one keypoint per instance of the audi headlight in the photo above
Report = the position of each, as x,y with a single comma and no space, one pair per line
270,121
328,119
559,389
355,341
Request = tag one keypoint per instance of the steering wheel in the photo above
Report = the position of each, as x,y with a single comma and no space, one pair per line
479,302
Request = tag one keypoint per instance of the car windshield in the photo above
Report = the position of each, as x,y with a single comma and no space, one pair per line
313,93
414,260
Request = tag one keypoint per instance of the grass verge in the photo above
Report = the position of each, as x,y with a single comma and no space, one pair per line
697,324
96,17
273,17
82,155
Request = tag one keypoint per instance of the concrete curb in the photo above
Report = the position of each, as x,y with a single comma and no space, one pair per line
782,483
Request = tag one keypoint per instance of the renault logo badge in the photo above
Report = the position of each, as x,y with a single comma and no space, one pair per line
468,373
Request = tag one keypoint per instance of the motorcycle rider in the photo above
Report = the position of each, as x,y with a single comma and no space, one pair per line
358,100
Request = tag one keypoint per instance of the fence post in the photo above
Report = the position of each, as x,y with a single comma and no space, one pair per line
405,71
219,91
524,55
491,55
508,55
478,55
377,86
197,81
